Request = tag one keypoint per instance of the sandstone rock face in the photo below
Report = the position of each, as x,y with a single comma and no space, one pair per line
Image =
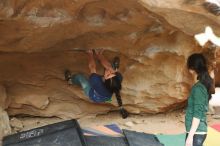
187,15
16,124
40,39
4,101
217,69
5,128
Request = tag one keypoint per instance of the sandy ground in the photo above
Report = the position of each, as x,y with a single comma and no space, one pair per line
169,123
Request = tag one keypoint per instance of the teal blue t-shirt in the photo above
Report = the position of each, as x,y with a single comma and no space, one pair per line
197,107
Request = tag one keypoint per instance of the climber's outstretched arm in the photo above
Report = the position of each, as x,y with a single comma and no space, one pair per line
92,64
105,63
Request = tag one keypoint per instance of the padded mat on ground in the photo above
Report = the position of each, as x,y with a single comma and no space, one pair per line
213,137
172,140
107,130
141,139
65,133
112,135
105,141
216,127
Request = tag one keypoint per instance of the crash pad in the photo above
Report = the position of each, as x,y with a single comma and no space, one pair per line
172,139
213,137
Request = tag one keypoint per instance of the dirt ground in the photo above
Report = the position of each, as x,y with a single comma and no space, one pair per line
168,123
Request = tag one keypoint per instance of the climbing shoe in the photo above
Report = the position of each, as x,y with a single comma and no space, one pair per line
116,62
67,75
124,113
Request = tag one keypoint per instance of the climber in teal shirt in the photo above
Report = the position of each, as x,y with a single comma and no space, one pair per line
197,107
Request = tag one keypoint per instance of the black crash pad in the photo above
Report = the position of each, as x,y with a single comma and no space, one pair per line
105,141
67,133
141,139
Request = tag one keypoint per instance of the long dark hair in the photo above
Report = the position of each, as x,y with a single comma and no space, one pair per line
198,63
114,86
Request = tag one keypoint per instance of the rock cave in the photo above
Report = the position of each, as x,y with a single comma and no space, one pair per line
39,39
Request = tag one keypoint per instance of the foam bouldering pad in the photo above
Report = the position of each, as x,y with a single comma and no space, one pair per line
216,127
172,140
105,141
111,130
67,133
141,139
213,138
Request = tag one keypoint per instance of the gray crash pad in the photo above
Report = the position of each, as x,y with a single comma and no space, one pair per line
141,139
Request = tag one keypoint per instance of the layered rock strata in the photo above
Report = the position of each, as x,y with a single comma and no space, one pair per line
40,39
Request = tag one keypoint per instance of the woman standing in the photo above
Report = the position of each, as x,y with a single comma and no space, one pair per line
195,118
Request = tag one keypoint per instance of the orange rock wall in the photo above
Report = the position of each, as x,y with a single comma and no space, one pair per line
40,39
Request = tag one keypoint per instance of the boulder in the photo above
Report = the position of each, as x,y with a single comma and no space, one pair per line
40,39
5,128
